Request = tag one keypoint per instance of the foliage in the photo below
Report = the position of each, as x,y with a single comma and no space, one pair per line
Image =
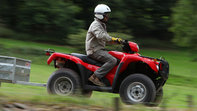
29,50
155,43
50,21
78,40
184,19
6,32
142,18
117,47
86,13
185,25
46,20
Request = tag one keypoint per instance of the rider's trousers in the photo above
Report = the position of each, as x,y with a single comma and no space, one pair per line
103,57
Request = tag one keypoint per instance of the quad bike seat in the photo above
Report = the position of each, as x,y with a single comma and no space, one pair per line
87,59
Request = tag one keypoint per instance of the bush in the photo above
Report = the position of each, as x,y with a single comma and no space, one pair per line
184,23
9,33
78,40
5,32
45,20
123,36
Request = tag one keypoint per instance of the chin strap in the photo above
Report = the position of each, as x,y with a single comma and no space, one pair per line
118,40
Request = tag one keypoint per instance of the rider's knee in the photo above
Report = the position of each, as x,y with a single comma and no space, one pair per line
113,61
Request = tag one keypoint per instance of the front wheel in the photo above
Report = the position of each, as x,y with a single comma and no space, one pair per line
137,88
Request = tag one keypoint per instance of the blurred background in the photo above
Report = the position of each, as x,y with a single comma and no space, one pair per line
166,28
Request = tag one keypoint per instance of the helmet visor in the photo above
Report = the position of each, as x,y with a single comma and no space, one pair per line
107,14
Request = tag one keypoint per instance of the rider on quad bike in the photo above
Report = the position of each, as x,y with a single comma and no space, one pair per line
138,79
96,39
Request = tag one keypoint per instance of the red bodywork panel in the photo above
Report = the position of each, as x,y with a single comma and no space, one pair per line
134,47
124,57
128,58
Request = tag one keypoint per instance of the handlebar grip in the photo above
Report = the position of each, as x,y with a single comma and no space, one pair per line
118,40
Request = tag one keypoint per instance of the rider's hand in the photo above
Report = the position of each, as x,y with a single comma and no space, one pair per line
118,40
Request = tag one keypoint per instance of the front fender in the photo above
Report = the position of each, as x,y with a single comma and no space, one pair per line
136,58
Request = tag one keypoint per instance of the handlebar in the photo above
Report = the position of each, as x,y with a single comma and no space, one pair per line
49,51
124,42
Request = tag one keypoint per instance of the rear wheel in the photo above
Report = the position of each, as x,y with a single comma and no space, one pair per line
66,82
137,88
63,82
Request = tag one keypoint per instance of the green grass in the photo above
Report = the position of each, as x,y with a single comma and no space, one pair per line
182,80
182,69
9,43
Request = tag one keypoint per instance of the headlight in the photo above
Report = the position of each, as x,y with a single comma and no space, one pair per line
157,67
138,47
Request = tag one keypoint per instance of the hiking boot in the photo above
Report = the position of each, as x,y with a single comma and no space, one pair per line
96,80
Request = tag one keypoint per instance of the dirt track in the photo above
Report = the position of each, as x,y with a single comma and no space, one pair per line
33,106
15,106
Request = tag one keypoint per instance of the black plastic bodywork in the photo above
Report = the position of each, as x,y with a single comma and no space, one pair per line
164,69
85,74
87,59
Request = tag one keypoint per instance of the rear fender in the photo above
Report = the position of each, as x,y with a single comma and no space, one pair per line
66,56
73,59
134,58
75,64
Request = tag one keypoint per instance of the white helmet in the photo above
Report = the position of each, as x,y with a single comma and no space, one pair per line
100,10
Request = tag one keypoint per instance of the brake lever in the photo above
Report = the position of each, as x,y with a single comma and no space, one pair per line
50,50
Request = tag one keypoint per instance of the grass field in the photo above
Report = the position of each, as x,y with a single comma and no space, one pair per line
182,80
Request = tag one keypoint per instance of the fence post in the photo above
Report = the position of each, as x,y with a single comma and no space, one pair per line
116,104
163,105
190,101
1,108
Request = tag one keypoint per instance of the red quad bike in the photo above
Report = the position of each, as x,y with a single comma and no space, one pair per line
138,79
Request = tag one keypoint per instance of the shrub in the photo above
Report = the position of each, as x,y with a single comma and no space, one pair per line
5,32
78,40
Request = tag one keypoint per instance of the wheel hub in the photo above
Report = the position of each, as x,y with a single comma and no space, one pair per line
63,86
136,91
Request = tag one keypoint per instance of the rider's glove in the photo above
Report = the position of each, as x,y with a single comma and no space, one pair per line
118,40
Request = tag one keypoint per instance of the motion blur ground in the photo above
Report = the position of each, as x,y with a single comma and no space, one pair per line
76,103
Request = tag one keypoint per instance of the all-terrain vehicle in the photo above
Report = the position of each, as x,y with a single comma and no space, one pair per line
138,79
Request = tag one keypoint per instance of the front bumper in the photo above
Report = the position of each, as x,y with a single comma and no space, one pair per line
164,69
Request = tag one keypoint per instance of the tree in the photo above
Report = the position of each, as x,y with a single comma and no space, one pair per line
86,13
149,18
185,23
49,20
9,11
